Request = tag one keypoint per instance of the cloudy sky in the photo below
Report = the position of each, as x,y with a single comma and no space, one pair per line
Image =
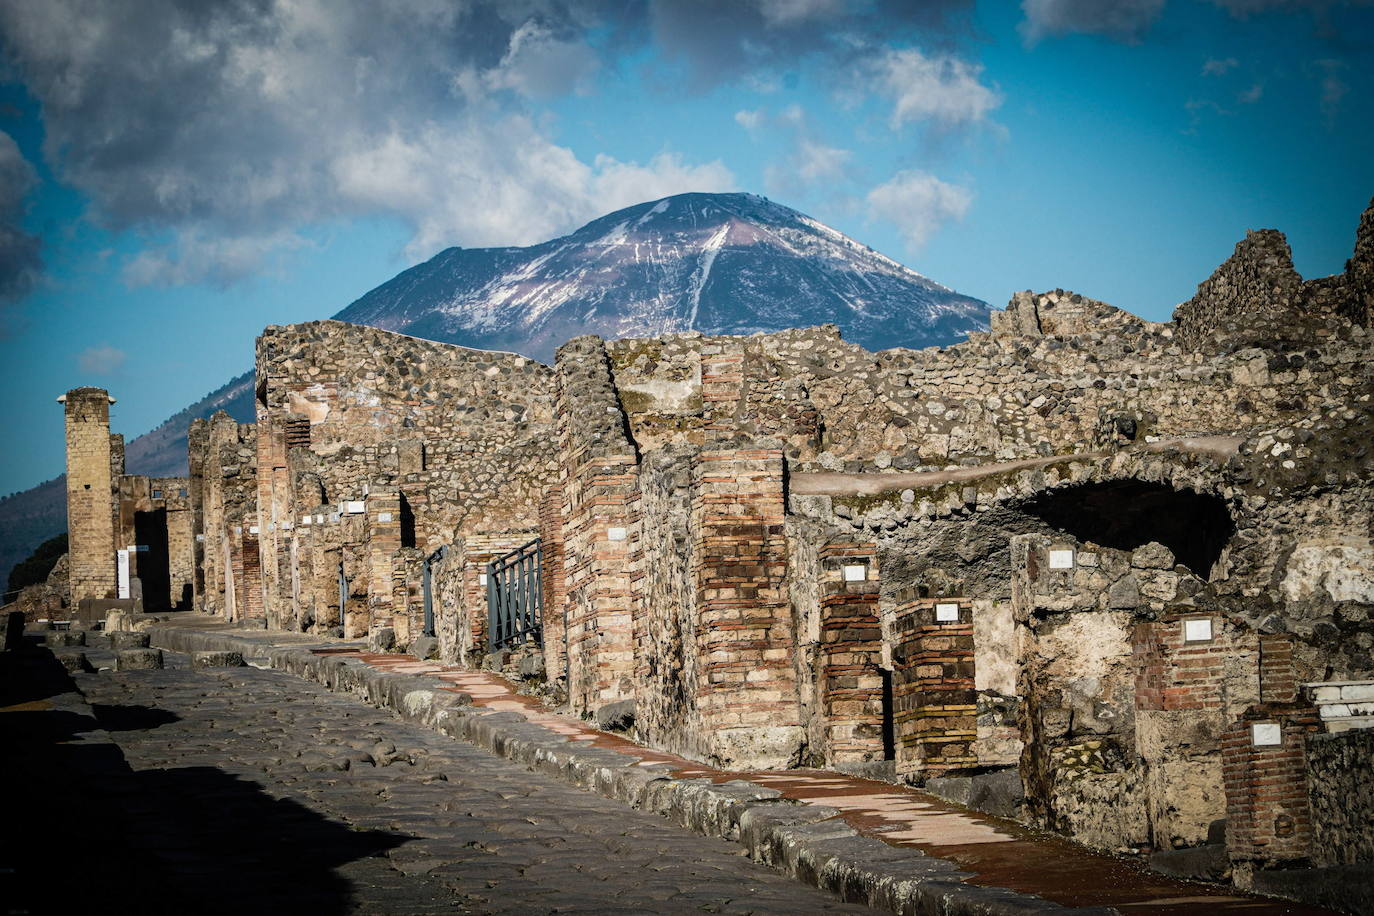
176,174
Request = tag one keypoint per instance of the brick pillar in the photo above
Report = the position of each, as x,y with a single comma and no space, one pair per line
599,536
555,586
1278,678
252,573
936,711
90,521
747,690
383,540
850,653
1264,765
197,437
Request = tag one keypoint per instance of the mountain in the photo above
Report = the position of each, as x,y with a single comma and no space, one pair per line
716,263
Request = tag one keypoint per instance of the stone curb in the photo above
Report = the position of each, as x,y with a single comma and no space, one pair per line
799,840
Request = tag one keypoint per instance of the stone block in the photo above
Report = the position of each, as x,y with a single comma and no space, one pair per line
424,647
618,716
1152,556
381,639
1353,692
532,665
138,660
58,638
73,660
253,623
216,659
1198,863
134,640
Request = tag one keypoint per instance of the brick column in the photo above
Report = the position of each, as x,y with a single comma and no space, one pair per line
1264,763
747,690
555,585
90,521
936,712
600,535
850,653
383,540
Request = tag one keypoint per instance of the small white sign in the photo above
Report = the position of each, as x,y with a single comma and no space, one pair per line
855,572
1197,630
252,529
1266,734
200,537
1061,559
481,578
383,516
319,519
615,534
353,507
306,519
946,613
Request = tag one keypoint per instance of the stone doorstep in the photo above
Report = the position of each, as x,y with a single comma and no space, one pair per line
804,840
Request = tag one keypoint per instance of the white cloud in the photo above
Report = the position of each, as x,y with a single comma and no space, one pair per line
791,12
749,120
101,360
938,88
1215,67
918,204
537,64
1252,95
231,128
1123,20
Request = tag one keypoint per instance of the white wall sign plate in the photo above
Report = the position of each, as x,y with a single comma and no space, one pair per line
353,507
1197,630
855,572
1266,734
615,534
1061,558
383,516
481,578
946,613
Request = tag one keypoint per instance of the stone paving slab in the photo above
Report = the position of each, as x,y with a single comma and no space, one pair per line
891,847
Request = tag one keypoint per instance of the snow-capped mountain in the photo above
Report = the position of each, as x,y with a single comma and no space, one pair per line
715,263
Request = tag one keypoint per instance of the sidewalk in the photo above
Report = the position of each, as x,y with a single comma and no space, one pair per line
894,847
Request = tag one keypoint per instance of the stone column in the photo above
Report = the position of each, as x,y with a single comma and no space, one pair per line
90,521
850,653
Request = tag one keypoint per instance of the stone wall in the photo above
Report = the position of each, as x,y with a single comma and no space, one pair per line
1342,797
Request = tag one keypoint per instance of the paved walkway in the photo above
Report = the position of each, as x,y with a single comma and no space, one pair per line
253,791
999,853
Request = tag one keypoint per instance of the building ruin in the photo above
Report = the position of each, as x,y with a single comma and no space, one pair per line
1110,576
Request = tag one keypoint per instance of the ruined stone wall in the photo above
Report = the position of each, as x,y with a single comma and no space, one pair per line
227,457
90,524
1342,797
459,438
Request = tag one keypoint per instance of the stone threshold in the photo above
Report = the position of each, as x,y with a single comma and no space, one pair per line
867,842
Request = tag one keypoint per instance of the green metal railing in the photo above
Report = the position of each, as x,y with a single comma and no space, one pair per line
515,598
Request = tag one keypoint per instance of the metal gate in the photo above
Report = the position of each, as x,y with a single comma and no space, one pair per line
515,598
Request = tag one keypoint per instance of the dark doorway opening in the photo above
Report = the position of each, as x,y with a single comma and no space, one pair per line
152,561
889,730
1127,514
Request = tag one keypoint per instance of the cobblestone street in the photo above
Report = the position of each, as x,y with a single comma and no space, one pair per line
254,791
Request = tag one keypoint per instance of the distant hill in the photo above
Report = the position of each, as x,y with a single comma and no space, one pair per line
715,263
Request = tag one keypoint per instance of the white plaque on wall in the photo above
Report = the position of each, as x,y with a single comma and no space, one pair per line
383,516
1197,630
1266,734
855,572
1061,559
354,506
252,529
615,534
305,519
481,578
946,613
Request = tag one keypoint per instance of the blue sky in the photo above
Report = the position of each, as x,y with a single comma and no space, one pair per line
175,176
